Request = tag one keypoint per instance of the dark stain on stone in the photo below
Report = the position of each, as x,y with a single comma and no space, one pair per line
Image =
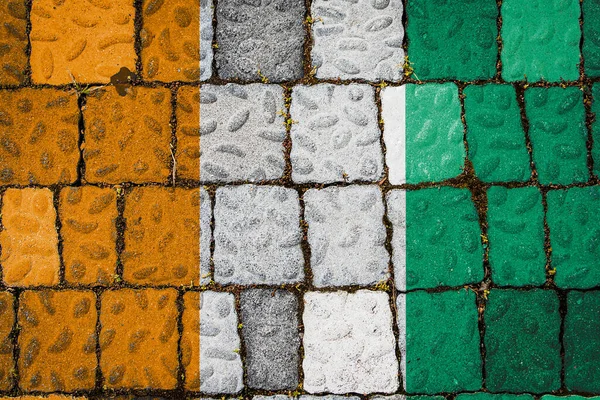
122,80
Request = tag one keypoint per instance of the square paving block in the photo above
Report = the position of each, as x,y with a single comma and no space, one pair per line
190,340
187,155
591,37
521,341
349,346
596,128
205,236
13,42
7,321
206,38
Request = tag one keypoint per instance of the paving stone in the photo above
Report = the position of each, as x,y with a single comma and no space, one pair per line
38,137
335,134
574,236
187,155
452,40
328,397
439,341
491,396
13,42
257,235
206,37
160,222
138,340
29,241
591,46
533,47
258,41
270,334
521,341
169,40
274,397
190,340
361,39
572,397
88,231
495,134
220,362
436,238
349,346
242,133
80,40
7,321
516,236
581,342
57,340
397,397
346,236
48,397
558,134
205,236
423,132
596,128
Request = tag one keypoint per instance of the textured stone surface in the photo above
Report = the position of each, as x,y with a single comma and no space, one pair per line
591,37
190,340
596,128
454,40
346,236
7,321
574,236
257,235
335,136
220,362
187,155
361,39
205,236
492,396
558,134
348,343
206,37
13,42
495,134
242,133
516,236
540,40
260,39
439,341
270,333
328,397
521,341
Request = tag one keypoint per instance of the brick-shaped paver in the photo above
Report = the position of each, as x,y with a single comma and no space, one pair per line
128,138
190,340
439,341
79,40
335,134
13,42
495,134
260,41
436,238
88,230
7,321
206,37
423,132
160,222
220,362
270,334
242,131
591,37
346,236
349,345
361,39
38,137
516,236
540,40
582,342
493,396
257,235
574,236
521,341
48,397
138,340
558,134
571,397
452,40
596,127
205,236
57,340
29,240
187,157
169,39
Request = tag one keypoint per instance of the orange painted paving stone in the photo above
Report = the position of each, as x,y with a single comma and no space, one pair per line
49,397
29,241
57,340
138,341
188,133
82,40
7,320
190,340
88,216
162,236
38,137
13,42
128,137
171,40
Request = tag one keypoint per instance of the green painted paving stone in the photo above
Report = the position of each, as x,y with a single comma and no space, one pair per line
521,341
558,134
439,341
452,39
575,236
495,134
582,342
573,397
540,40
516,236
492,396
591,37
596,128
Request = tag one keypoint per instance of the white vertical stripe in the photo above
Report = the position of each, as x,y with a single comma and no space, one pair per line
393,112
396,202
401,309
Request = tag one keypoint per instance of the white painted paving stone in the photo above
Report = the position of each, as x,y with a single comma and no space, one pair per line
205,236
396,208
257,235
274,397
358,39
349,346
220,363
206,37
391,397
335,134
346,235
328,397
